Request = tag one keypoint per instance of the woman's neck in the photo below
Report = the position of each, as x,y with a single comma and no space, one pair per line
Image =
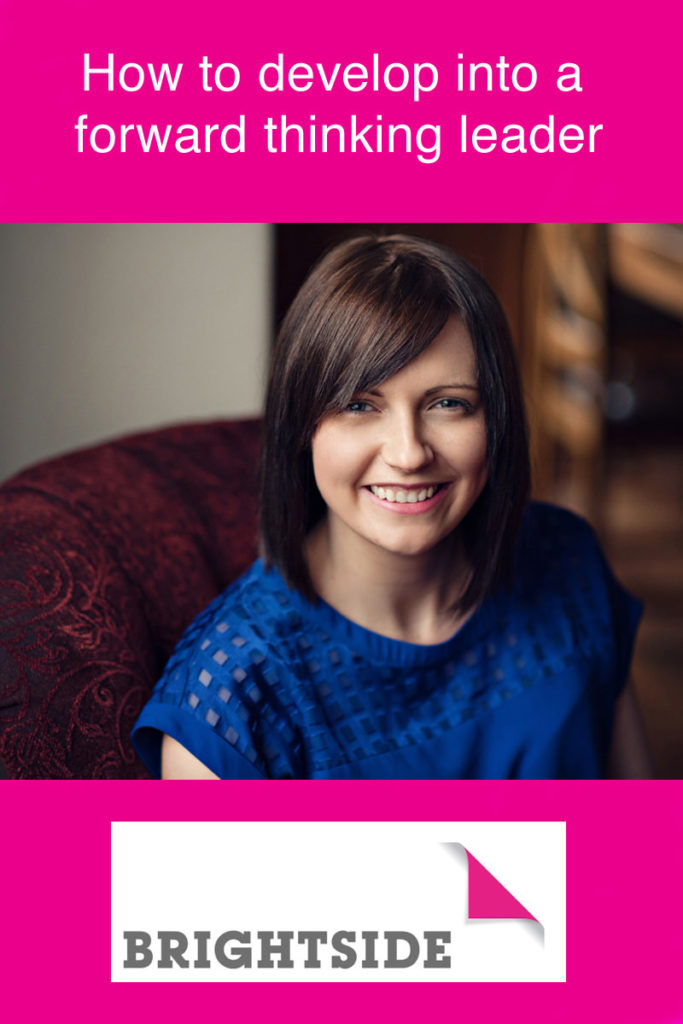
406,597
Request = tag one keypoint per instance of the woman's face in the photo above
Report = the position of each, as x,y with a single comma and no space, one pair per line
401,465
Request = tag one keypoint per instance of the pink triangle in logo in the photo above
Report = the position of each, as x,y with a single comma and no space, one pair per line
488,898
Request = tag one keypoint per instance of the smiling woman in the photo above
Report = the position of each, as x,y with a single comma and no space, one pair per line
415,447
413,615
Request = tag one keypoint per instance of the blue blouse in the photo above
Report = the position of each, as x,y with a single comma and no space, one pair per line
265,684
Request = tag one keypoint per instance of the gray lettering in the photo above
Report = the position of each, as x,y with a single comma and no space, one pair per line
393,939
138,952
370,959
311,939
241,958
173,945
283,948
340,943
202,943
436,949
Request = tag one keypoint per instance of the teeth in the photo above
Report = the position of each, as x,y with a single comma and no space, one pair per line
401,496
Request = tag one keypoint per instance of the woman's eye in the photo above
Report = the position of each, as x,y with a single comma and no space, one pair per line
452,403
357,406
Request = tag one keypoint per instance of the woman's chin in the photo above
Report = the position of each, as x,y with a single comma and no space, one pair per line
409,547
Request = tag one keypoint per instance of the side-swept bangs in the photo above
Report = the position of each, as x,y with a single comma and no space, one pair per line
368,308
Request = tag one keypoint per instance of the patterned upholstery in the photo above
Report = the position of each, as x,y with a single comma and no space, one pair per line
106,555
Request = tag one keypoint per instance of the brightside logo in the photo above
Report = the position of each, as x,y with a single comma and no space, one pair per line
338,901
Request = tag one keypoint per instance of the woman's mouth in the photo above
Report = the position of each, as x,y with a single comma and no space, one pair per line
407,499
403,495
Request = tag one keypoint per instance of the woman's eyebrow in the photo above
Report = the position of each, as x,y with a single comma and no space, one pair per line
460,386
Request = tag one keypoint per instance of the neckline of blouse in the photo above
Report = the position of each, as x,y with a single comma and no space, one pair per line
384,649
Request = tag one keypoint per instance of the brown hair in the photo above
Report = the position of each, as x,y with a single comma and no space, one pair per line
368,308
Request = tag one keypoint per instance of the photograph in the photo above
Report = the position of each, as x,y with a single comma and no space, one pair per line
341,501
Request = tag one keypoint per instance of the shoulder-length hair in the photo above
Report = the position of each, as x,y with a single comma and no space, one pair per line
368,308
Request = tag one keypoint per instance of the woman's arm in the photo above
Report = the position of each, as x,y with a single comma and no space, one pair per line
179,763
629,754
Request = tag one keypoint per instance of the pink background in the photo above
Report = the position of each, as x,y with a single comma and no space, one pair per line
631,84
624,900
625,940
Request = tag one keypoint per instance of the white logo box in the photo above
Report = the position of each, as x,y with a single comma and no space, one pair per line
179,888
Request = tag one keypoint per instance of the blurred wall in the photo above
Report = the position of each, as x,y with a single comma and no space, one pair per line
107,329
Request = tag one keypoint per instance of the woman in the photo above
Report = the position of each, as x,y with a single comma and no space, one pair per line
413,616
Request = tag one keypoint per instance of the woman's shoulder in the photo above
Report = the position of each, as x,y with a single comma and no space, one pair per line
555,542
555,522
222,690
564,586
238,627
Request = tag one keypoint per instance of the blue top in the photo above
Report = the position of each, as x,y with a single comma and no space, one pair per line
264,684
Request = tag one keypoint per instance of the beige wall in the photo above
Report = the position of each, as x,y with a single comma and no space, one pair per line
105,329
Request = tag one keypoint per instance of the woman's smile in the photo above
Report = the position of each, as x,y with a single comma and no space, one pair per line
408,500
402,464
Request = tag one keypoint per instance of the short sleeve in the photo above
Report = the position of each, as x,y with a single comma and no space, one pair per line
583,612
208,747
217,737
219,697
613,614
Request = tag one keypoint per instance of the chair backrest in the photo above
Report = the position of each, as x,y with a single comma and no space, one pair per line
106,555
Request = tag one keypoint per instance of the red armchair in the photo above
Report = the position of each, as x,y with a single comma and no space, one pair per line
106,555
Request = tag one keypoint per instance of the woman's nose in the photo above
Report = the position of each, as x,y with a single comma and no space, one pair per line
405,448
